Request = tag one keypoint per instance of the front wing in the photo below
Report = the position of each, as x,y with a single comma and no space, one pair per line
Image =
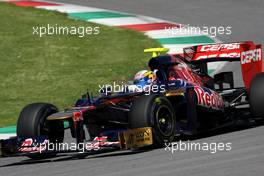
125,139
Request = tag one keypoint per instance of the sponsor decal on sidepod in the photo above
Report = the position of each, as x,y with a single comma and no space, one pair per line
209,99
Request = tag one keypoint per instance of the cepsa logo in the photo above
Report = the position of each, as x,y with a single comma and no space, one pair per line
213,100
218,47
251,56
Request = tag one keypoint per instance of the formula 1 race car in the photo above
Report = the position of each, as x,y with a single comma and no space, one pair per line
183,99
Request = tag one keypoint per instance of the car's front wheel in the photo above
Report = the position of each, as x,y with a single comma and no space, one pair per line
154,111
32,123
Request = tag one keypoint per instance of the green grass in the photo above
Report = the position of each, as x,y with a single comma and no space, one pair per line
59,68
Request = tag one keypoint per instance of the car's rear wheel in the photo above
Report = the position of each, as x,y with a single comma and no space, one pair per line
256,95
32,123
157,112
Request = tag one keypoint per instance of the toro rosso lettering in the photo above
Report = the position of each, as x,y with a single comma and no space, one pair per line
250,56
211,100
219,47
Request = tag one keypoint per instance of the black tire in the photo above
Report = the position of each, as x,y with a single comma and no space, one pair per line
256,95
32,123
146,111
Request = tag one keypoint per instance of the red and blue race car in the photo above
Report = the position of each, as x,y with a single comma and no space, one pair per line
176,96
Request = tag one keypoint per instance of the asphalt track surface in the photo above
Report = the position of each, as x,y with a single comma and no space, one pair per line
246,157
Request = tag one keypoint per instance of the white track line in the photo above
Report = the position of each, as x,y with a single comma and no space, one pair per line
7,136
167,33
123,21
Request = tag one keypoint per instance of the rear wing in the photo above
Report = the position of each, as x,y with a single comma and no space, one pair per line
248,53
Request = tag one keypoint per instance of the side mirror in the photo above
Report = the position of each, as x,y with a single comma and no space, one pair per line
224,77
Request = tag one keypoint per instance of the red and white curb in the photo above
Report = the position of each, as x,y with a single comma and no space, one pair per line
152,27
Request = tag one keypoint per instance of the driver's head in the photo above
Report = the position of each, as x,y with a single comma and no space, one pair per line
144,77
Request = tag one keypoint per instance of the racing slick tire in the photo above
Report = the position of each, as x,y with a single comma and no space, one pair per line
256,95
154,111
32,123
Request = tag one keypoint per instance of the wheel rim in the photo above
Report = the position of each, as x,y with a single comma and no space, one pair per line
164,119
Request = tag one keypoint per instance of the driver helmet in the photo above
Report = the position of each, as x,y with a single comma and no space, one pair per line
144,77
